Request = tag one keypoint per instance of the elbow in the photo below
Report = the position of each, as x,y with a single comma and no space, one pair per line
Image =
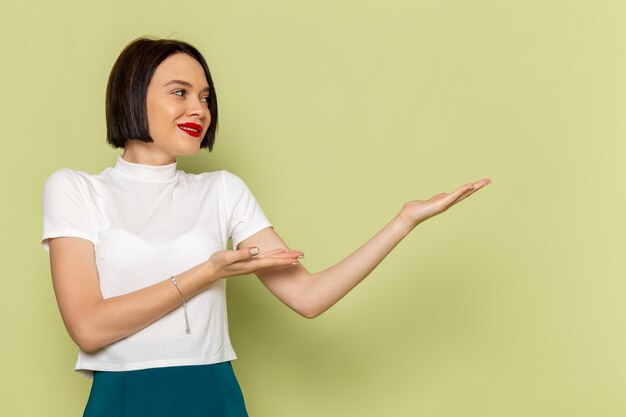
87,347
309,312
87,331
307,305
84,339
310,315
84,336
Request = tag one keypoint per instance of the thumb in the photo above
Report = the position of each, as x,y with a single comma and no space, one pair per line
243,254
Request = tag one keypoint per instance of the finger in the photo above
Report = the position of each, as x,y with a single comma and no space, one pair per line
274,262
243,254
469,187
272,252
463,197
481,183
472,189
254,253
456,194
286,254
261,263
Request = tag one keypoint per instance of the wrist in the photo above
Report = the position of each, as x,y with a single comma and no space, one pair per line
210,272
403,224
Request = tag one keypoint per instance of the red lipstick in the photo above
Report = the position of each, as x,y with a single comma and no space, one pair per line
192,129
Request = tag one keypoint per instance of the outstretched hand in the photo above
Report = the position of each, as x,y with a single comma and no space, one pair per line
417,211
227,263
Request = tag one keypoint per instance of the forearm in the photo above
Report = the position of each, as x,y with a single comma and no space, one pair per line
312,294
327,287
112,319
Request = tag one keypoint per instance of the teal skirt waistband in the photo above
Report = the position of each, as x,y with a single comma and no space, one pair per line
190,391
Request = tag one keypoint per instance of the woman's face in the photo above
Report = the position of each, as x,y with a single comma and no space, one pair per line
177,103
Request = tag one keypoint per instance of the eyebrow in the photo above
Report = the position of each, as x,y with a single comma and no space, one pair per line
186,84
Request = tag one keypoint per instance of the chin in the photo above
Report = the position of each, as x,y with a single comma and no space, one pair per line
188,150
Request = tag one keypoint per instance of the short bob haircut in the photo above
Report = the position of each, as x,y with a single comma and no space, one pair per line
126,110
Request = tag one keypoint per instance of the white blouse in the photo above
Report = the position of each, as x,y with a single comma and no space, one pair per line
147,223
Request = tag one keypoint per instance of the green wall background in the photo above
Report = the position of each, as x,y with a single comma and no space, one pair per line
335,114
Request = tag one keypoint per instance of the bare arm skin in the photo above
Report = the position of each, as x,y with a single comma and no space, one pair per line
94,322
312,294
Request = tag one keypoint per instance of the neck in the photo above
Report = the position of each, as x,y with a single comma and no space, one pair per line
139,152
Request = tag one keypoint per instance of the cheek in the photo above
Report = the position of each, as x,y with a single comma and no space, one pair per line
162,115
160,110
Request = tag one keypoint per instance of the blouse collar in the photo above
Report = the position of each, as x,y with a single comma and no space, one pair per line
150,173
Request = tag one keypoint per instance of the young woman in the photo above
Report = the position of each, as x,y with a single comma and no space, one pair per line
138,252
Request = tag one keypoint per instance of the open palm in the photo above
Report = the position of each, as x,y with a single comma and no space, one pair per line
417,211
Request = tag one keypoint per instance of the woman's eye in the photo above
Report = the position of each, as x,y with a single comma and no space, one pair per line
184,92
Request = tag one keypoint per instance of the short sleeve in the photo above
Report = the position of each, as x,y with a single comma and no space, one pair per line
65,212
245,215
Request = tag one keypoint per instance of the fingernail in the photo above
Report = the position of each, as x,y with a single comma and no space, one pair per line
300,257
295,263
254,251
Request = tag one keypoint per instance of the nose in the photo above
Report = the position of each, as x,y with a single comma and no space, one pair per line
198,108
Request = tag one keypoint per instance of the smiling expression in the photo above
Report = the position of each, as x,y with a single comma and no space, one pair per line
177,105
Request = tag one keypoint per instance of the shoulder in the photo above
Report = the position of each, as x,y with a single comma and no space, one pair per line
60,189
60,179
231,181
224,178
66,180
201,181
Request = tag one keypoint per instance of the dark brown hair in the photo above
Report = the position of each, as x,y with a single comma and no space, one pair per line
126,111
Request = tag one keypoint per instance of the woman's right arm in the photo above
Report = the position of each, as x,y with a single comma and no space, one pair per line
94,322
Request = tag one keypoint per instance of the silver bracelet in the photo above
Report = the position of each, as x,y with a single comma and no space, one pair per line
184,304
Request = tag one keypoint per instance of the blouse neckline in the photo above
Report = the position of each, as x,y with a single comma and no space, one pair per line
144,172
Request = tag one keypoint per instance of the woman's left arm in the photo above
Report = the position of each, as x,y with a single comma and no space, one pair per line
312,294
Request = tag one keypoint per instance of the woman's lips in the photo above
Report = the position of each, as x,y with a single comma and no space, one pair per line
191,129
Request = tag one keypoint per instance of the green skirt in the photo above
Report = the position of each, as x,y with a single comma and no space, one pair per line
189,391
